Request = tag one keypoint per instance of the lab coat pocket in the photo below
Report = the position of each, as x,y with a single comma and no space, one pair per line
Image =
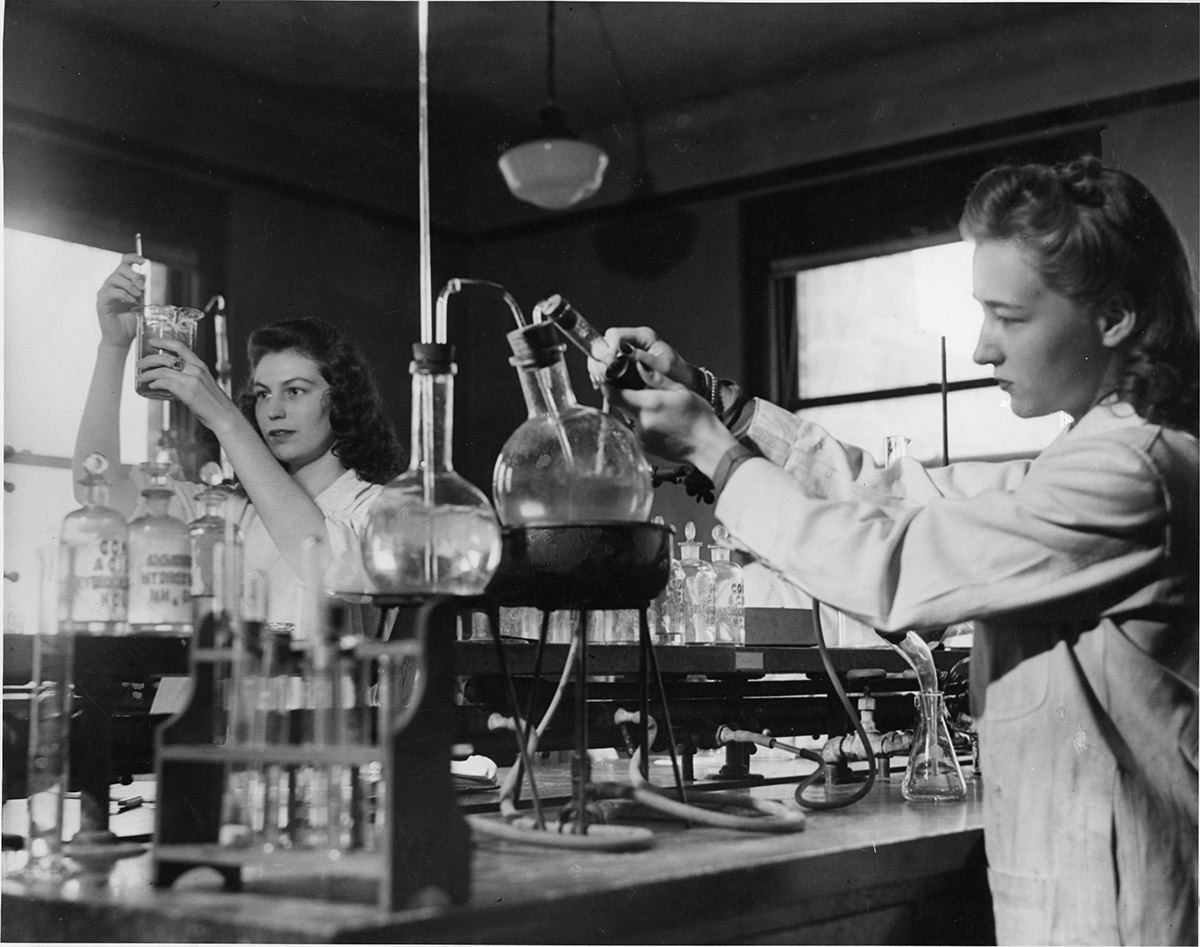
1020,691
1019,904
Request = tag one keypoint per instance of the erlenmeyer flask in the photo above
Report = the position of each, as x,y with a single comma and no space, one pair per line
933,773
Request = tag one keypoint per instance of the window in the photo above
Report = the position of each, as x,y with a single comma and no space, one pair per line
50,339
855,274
868,339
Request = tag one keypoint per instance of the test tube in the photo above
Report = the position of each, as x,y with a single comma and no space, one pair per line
621,370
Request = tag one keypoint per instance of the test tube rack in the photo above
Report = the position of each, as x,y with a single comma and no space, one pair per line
423,854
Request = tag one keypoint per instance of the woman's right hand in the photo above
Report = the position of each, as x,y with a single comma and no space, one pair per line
116,299
655,355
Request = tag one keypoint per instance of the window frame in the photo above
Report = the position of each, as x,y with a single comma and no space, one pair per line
902,199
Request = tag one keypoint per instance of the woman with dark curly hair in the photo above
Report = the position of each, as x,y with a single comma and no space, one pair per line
1079,568
363,437
308,441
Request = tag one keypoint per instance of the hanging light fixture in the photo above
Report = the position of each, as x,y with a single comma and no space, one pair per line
555,169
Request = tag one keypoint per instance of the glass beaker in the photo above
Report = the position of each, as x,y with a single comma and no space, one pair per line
162,322
933,773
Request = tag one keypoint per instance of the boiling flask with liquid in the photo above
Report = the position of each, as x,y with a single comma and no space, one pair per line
568,464
93,560
698,607
160,561
431,531
729,591
933,773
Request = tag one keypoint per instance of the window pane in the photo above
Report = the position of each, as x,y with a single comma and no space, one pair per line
33,513
876,324
979,424
50,339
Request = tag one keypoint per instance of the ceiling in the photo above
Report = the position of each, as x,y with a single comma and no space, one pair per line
611,56
322,94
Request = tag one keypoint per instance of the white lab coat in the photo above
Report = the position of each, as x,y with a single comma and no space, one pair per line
1080,569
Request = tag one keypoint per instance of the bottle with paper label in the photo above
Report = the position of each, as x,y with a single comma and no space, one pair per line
699,605
160,561
93,560
729,592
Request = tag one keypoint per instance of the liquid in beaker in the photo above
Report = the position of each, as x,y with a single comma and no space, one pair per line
162,322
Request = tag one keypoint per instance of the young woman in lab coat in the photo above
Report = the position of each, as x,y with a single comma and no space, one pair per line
308,440
1079,568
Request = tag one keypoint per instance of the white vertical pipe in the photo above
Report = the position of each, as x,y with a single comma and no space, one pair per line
423,145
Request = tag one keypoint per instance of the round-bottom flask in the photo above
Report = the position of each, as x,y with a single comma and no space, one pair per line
568,464
431,531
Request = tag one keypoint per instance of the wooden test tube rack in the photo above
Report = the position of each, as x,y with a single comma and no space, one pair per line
425,850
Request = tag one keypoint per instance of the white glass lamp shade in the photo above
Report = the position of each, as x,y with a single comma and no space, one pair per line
553,173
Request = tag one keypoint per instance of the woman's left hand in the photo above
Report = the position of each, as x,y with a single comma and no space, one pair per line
674,422
178,370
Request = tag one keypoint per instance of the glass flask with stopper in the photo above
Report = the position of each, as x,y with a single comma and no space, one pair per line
696,606
567,464
93,560
431,531
729,591
160,560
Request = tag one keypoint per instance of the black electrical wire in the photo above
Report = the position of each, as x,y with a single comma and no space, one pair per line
862,734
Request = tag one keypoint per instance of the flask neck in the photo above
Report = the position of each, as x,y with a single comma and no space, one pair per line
158,502
213,506
547,388
432,422
95,495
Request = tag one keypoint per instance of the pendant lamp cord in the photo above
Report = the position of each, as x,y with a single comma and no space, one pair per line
550,52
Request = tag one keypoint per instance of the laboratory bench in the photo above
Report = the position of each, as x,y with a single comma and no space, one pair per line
882,870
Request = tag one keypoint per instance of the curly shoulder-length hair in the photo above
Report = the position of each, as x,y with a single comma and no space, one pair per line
1099,235
364,437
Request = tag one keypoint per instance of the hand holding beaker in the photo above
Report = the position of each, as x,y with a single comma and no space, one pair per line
181,375
154,324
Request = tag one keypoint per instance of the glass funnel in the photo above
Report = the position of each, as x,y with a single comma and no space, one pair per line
567,464
431,531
